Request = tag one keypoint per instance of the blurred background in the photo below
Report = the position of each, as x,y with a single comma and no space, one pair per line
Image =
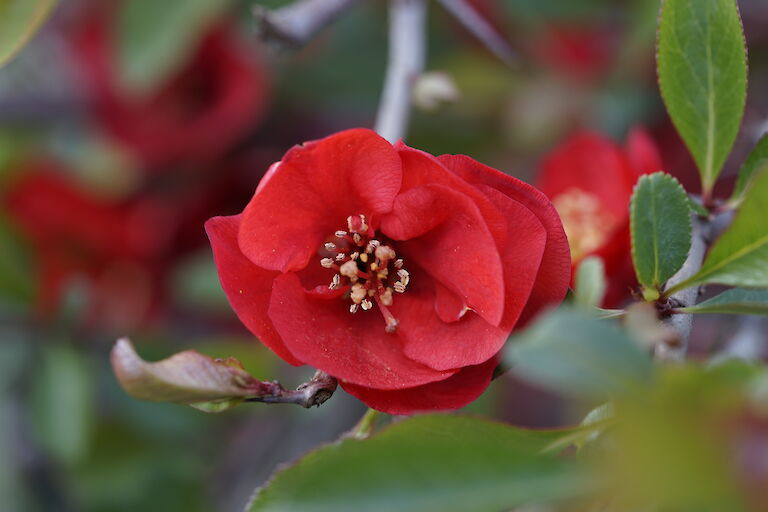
124,125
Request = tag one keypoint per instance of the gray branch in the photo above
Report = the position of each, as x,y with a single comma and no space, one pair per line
296,24
314,392
481,29
702,235
407,49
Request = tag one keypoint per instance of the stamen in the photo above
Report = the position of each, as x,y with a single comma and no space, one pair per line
335,282
357,294
399,287
364,258
398,263
372,245
389,318
386,297
366,305
349,269
357,238
385,253
326,262
354,255
340,256
353,308
330,246
340,234
405,277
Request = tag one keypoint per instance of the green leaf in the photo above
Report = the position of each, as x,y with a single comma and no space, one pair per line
740,256
756,162
424,464
19,20
660,221
155,38
702,67
736,301
61,398
573,353
590,282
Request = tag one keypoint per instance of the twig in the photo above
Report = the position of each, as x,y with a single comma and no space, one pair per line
683,323
481,29
296,24
407,48
314,392
747,343
702,235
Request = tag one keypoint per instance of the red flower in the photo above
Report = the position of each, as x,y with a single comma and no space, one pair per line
113,248
582,53
399,273
590,180
198,114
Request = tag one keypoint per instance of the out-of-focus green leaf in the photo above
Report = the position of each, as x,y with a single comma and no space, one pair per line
702,67
574,353
155,38
62,393
17,278
736,301
187,377
660,221
675,446
740,256
756,162
590,282
19,20
428,463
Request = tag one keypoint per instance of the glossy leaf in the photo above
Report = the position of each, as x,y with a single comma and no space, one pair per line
702,68
590,282
661,228
19,21
154,38
736,301
211,385
756,162
428,463
573,353
740,256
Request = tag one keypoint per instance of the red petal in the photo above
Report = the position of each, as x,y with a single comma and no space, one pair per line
554,271
355,348
521,256
444,233
440,345
451,393
247,286
312,191
594,164
642,152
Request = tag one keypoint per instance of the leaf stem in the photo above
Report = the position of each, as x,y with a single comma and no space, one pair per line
364,427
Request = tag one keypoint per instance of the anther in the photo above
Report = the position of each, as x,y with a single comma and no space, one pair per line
354,255
340,256
357,238
349,269
353,308
335,282
399,287
372,245
340,234
330,246
405,277
326,262
398,263
364,258
366,304
386,297
357,294
385,253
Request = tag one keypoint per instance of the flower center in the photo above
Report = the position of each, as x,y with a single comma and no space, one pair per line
586,223
369,267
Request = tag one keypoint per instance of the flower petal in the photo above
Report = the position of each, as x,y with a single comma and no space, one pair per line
310,193
323,333
554,271
449,394
247,286
443,231
441,345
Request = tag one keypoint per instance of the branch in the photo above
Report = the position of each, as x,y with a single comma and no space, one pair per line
703,233
407,49
296,24
481,29
314,392
747,343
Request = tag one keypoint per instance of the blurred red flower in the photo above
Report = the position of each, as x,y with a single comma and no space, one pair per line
590,179
397,272
201,112
114,248
580,52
